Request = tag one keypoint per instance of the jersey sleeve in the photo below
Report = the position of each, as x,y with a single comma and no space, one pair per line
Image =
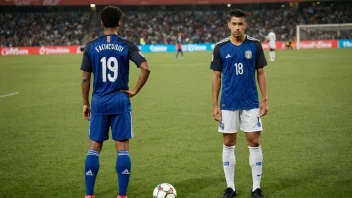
135,55
260,57
216,61
86,65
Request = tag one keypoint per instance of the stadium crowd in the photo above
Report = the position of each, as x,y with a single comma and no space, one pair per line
41,29
162,27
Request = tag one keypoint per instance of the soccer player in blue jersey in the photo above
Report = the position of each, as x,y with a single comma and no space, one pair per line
108,58
236,61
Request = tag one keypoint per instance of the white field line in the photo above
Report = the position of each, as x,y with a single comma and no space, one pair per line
7,95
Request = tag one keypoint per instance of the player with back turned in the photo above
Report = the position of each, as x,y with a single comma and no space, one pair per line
236,61
107,57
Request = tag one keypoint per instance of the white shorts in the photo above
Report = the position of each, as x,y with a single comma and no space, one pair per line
248,120
272,46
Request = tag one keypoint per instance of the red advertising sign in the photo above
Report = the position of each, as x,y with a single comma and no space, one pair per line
318,44
279,45
305,44
8,51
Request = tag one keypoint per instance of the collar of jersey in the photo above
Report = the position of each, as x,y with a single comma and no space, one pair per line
239,44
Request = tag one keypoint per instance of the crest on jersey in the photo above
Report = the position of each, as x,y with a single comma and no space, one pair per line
248,54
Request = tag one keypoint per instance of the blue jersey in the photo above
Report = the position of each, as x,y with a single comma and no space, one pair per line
238,65
108,58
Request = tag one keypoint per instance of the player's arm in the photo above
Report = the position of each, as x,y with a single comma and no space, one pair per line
216,65
262,86
216,84
86,68
85,87
138,58
143,77
267,38
261,78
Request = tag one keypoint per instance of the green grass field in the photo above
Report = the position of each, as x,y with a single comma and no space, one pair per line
306,139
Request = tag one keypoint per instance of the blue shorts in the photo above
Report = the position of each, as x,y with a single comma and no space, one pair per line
121,127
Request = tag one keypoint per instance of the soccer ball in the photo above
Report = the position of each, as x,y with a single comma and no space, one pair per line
164,190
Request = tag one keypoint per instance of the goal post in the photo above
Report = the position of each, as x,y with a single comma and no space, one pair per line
323,32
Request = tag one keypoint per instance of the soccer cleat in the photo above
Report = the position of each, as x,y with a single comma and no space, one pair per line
89,196
122,197
228,193
258,193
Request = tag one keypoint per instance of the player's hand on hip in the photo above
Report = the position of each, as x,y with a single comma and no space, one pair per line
130,93
217,113
86,112
263,109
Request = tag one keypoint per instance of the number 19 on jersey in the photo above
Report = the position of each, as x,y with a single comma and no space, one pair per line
112,65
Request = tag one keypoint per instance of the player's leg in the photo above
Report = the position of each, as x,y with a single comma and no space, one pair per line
251,124
181,53
98,132
274,54
122,131
255,158
177,53
123,166
228,126
271,54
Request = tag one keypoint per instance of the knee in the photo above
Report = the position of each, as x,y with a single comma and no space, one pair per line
97,146
122,145
229,140
253,142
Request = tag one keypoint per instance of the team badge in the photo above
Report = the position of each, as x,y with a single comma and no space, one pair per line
248,54
258,123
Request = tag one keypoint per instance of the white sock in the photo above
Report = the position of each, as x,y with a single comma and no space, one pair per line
256,162
229,162
273,55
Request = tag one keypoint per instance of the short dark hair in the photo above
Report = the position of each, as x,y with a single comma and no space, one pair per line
236,13
111,15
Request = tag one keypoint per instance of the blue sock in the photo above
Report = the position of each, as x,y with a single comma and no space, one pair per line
91,170
123,169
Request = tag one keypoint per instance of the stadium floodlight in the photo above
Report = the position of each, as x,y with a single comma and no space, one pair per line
322,32
92,5
228,5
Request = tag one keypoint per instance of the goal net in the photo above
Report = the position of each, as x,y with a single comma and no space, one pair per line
316,32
